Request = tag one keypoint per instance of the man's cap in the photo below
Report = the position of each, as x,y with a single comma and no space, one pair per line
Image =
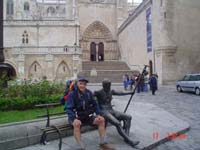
82,79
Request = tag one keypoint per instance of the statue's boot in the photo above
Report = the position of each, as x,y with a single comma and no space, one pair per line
126,137
120,129
127,126
132,143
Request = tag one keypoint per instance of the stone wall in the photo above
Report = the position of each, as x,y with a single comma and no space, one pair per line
132,38
41,10
186,34
39,62
179,40
41,33
50,50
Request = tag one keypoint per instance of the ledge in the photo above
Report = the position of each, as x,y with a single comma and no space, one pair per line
22,134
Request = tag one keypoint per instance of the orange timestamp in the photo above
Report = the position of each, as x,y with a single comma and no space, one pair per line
171,136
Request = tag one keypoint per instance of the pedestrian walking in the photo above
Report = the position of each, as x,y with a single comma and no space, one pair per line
153,84
125,81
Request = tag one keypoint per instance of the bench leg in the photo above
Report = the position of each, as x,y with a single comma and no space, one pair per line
60,137
43,138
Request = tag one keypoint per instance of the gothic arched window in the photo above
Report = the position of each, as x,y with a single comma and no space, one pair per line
25,37
10,7
64,69
26,6
35,67
51,11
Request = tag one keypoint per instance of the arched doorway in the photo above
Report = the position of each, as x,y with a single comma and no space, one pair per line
98,32
101,52
93,51
7,72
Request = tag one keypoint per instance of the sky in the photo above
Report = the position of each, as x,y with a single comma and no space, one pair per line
51,1
136,1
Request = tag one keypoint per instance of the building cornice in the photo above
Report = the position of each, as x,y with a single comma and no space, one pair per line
40,23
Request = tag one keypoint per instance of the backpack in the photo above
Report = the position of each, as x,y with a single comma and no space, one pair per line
70,86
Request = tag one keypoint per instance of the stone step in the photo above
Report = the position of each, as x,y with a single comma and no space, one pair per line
113,75
113,70
106,65
107,72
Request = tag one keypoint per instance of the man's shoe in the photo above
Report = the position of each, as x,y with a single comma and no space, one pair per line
106,147
80,146
132,143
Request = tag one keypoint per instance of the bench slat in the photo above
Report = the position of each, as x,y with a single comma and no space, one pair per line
53,114
60,127
48,105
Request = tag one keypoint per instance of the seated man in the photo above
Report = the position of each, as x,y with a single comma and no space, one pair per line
104,98
83,109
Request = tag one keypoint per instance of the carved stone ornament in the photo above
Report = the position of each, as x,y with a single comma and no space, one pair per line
97,1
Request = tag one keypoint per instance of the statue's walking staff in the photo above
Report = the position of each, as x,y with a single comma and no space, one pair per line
140,76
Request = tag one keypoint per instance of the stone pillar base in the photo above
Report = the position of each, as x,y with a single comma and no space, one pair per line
166,67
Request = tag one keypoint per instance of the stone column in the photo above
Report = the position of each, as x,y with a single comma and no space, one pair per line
166,64
165,52
49,66
21,68
75,10
76,62
120,11
69,9
97,52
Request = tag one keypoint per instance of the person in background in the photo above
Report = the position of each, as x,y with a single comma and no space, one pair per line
153,84
139,84
125,81
146,82
132,82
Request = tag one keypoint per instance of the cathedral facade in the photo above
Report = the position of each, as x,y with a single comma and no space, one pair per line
51,38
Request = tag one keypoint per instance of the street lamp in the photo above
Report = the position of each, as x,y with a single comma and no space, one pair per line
1,32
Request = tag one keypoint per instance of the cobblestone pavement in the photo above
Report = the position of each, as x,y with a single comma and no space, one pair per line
185,106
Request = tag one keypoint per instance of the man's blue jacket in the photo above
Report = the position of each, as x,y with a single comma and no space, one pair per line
85,99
